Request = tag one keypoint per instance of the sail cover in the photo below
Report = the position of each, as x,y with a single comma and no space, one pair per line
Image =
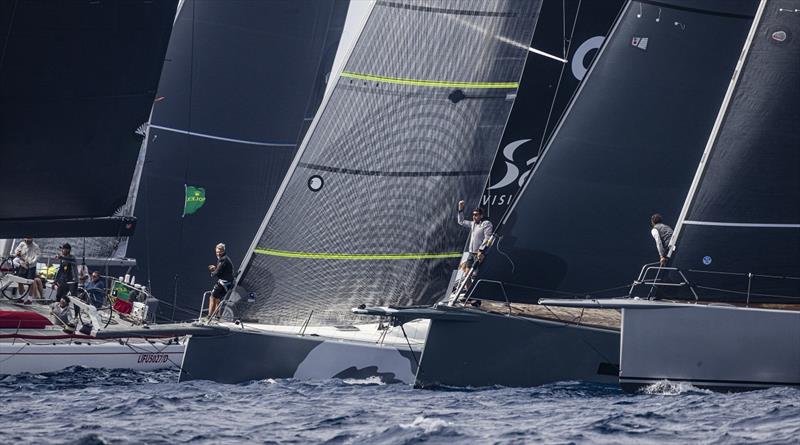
239,80
626,148
77,79
745,215
573,31
368,213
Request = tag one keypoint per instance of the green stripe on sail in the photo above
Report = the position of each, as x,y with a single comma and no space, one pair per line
429,83
357,256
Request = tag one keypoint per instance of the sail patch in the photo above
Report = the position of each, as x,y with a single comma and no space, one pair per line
640,42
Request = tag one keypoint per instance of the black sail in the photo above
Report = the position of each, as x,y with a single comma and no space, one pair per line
77,79
239,81
627,147
745,215
572,30
367,215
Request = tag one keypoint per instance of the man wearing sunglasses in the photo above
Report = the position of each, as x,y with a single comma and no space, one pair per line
480,231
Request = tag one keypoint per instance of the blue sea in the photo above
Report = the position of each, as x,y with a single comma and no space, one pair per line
80,406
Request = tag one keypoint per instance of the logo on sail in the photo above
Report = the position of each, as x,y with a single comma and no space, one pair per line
195,198
515,175
640,42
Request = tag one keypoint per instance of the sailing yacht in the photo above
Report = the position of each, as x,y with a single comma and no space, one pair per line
365,215
69,139
626,147
728,313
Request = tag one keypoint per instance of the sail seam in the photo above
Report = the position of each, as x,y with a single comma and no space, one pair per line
357,256
430,83
732,224
221,138
447,10
410,174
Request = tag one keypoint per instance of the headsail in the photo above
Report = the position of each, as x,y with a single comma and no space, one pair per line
626,148
740,238
566,39
367,214
76,81
239,80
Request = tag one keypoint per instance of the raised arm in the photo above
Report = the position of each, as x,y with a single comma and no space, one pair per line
460,218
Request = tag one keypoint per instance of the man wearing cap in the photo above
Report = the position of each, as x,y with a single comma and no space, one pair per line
66,278
26,254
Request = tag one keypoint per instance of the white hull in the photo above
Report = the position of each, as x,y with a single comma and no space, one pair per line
40,356
717,347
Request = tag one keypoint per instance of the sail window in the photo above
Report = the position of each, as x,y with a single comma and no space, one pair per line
779,36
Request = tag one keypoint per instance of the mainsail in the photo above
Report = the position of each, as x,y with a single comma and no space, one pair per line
739,239
626,148
367,213
567,37
240,78
76,81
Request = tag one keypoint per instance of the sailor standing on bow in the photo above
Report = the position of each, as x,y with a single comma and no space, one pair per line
662,233
480,232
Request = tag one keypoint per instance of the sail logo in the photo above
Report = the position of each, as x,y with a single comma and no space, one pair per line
579,66
640,42
513,172
517,172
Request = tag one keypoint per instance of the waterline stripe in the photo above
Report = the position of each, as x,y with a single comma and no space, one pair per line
429,83
220,138
729,224
357,256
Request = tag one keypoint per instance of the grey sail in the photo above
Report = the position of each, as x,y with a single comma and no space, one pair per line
627,147
240,80
366,216
740,238
69,136
572,31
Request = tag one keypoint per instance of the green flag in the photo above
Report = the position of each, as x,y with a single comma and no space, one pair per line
195,198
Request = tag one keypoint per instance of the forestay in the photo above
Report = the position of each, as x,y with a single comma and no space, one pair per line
367,214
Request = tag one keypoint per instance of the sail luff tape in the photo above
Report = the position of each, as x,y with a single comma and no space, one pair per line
429,83
357,256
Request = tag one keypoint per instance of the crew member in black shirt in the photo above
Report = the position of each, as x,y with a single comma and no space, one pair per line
223,272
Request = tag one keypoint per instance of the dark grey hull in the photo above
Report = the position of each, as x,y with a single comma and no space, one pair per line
491,349
244,355
723,348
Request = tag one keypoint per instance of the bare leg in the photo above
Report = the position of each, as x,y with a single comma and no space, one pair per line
212,306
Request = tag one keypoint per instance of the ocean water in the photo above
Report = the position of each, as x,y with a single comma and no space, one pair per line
80,406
